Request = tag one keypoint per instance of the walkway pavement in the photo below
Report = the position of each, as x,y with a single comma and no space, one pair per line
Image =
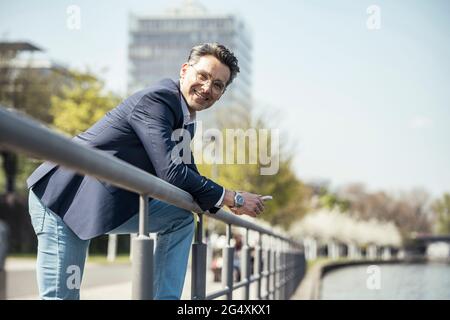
102,281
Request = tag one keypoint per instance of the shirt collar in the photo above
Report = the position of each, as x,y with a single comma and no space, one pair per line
188,118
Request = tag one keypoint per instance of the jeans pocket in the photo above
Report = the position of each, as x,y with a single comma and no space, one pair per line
37,212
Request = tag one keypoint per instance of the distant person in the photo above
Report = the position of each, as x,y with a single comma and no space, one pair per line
68,209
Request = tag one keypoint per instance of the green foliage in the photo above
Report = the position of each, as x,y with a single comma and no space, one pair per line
81,103
71,101
442,208
289,193
331,201
26,166
28,90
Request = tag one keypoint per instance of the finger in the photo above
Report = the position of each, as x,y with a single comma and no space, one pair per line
260,206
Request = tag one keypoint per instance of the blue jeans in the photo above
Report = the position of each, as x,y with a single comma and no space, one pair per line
61,254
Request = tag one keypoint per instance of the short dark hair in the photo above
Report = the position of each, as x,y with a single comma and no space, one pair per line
222,53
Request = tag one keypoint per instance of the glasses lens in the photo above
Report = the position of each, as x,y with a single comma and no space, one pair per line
203,78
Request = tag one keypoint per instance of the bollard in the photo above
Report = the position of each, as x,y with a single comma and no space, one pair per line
142,265
198,269
142,268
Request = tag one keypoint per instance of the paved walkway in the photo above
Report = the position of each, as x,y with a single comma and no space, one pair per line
102,281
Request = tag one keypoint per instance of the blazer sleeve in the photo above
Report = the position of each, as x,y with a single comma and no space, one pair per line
153,119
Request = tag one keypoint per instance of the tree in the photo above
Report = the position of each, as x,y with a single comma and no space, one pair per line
410,211
442,208
27,89
81,103
289,193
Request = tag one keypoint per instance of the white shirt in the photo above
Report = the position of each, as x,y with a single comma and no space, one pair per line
191,118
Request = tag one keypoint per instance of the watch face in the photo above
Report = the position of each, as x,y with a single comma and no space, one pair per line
239,200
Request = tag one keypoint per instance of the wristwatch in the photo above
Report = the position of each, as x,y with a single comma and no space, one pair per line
238,200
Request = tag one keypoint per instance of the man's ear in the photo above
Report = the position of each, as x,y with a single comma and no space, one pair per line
183,70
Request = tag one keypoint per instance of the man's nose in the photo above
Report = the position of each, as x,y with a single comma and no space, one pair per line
206,86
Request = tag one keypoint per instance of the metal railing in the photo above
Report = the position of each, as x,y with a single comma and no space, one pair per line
281,267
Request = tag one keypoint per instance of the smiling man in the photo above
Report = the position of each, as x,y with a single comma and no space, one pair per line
68,209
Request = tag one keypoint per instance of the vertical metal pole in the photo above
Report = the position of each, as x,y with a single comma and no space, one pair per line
269,270
112,248
297,267
275,270
293,270
227,267
288,284
142,265
258,266
132,236
246,265
286,272
281,273
198,269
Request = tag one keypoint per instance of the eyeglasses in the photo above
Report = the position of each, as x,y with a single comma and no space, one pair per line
203,77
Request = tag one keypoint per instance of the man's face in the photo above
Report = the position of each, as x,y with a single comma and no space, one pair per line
200,82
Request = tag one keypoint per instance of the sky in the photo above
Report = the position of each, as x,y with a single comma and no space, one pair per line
354,104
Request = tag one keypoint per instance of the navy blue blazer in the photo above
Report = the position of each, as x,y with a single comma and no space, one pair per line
139,132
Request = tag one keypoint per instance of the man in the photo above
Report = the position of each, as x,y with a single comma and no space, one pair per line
68,209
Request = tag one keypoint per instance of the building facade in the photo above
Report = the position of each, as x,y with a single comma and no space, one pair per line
159,45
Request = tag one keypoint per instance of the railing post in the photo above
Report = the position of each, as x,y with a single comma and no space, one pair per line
258,266
246,265
289,276
112,248
275,270
132,237
298,266
294,271
198,268
287,271
281,273
227,267
269,271
284,256
142,265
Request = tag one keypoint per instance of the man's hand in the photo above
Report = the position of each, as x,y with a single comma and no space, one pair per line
253,204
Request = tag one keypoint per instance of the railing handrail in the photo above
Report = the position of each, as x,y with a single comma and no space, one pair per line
24,135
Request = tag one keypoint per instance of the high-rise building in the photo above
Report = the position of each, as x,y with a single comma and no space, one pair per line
160,44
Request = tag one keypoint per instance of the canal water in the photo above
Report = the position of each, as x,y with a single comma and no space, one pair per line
388,282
